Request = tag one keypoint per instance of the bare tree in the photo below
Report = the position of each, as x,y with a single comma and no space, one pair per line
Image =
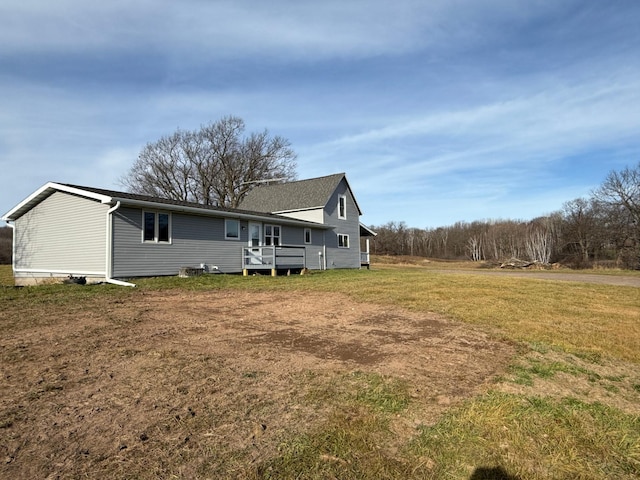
475,246
622,189
620,195
216,165
6,242
581,224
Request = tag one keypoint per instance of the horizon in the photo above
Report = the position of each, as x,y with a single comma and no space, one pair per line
438,112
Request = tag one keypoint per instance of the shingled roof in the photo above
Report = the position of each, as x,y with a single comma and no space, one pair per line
292,196
112,196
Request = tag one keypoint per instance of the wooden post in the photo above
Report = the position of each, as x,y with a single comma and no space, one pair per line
274,272
245,272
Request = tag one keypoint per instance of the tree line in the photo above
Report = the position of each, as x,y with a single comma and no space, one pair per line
218,164
6,240
601,229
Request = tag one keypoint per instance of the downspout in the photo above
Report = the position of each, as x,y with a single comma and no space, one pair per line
13,246
109,256
324,250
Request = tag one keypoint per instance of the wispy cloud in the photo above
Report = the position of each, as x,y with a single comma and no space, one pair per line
227,27
436,110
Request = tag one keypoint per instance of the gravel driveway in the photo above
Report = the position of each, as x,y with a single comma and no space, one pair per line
625,281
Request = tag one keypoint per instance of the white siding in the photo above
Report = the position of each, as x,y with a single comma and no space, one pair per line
63,233
316,216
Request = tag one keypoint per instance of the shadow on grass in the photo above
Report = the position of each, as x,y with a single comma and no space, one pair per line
491,473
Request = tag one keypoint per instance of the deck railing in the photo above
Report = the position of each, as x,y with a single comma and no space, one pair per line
273,258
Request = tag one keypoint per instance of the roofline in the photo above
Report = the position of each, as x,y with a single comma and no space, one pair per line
344,175
218,213
112,200
292,210
371,232
9,216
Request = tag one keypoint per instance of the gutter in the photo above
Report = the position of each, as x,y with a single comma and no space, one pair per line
220,213
109,255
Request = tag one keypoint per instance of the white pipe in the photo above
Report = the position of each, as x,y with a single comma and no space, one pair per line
13,245
120,282
109,259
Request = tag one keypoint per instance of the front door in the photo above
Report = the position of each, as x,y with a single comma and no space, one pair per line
255,240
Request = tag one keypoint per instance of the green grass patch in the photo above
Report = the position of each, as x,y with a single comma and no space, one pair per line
532,438
350,445
379,393
524,374
355,442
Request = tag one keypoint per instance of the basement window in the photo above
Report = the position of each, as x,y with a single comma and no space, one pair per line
156,227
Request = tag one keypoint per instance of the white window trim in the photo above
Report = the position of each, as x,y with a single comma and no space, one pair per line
156,227
226,233
272,236
342,199
344,236
307,231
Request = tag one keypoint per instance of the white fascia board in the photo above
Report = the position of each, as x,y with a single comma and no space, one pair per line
84,193
364,227
353,195
293,210
43,192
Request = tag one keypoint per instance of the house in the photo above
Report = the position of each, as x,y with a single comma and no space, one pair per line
66,230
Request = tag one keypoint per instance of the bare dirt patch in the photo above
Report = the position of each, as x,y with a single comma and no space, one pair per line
178,383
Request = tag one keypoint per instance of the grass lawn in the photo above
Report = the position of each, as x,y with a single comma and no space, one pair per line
567,405
6,275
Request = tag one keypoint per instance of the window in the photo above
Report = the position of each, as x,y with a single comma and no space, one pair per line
342,207
232,229
163,227
343,241
272,235
156,227
307,236
149,227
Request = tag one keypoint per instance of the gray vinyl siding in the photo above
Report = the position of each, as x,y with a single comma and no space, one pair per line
194,240
295,236
63,233
342,257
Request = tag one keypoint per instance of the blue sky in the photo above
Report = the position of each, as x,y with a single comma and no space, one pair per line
438,111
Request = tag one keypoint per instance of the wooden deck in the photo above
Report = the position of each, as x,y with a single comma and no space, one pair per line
273,258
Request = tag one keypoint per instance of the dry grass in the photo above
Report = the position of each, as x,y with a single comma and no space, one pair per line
154,395
532,438
579,317
6,276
